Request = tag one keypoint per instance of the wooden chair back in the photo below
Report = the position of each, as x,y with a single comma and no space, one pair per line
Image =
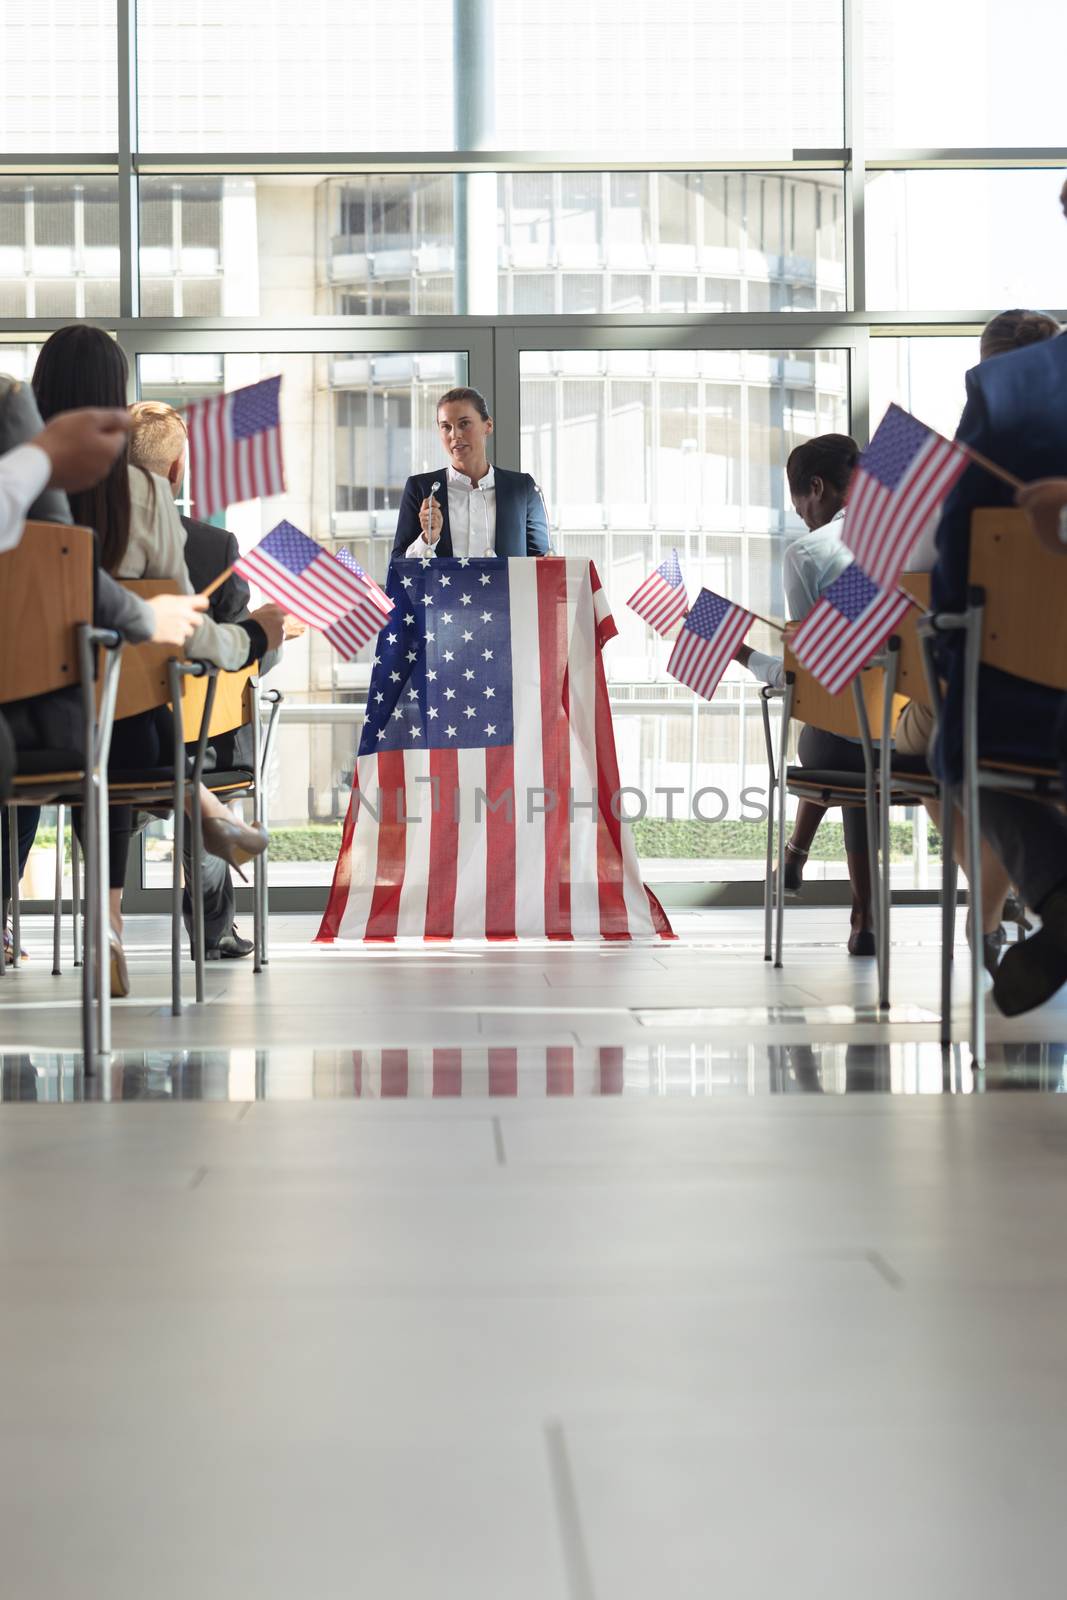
911,678
46,593
233,707
143,680
836,713
1025,590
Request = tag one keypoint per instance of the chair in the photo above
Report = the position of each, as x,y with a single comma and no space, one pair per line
206,703
48,643
1013,621
887,780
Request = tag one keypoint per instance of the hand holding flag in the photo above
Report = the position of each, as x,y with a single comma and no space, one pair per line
708,641
332,595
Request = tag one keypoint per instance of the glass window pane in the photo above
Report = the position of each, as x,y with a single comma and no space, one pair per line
320,76
356,425
59,66
639,451
952,240
925,375
989,73
618,75
608,75
59,247
300,245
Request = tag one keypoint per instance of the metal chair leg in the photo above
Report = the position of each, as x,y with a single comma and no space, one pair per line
13,868
57,907
949,881
196,889
88,947
75,895
103,925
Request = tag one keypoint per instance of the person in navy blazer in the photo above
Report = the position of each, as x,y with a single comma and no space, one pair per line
1016,414
470,508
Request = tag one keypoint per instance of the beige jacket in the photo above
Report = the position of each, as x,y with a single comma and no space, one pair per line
157,550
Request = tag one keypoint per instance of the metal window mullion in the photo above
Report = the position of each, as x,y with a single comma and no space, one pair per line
129,222
856,168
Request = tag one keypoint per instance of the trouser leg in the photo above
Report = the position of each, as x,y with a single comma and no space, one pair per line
220,901
1030,837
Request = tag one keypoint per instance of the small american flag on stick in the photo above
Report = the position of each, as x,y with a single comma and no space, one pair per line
661,600
900,480
844,629
315,586
352,631
708,641
235,447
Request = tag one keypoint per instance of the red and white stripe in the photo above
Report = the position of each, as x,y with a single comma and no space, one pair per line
882,526
700,663
487,1072
223,470
322,594
834,649
365,621
660,604
477,869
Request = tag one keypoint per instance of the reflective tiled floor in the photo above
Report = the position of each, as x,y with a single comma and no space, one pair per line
694,1069
533,1275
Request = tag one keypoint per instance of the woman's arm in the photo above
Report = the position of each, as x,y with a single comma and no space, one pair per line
538,541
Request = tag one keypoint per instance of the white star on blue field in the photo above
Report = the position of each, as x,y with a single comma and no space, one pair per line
442,672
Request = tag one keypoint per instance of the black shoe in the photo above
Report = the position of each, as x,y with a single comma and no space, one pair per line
993,949
231,947
861,942
1031,972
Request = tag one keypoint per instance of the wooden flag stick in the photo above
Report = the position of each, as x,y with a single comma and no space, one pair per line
218,582
991,466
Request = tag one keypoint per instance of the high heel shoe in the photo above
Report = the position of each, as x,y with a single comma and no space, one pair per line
120,972
233,841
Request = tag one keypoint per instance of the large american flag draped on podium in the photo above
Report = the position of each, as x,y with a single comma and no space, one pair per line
486,783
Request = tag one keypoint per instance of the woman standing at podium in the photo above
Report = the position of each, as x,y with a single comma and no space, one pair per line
470,507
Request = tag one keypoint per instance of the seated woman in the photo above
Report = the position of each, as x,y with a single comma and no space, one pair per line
80,448
818,473
141,536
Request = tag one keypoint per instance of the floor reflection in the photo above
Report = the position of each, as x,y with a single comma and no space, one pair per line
694,1070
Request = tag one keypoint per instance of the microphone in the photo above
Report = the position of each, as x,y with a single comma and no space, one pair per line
433,490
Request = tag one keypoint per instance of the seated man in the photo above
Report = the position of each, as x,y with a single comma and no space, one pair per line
1016,414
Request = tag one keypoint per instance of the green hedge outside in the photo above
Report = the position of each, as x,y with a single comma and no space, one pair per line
655,837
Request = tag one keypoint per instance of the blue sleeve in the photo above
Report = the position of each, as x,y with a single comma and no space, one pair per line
975,488
407,520
537,538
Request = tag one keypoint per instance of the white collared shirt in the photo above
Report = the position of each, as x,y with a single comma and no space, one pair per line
24,472
471,517
811,564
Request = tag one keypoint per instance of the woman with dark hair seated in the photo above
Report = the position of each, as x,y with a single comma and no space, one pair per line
141,536
73,451
819,473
